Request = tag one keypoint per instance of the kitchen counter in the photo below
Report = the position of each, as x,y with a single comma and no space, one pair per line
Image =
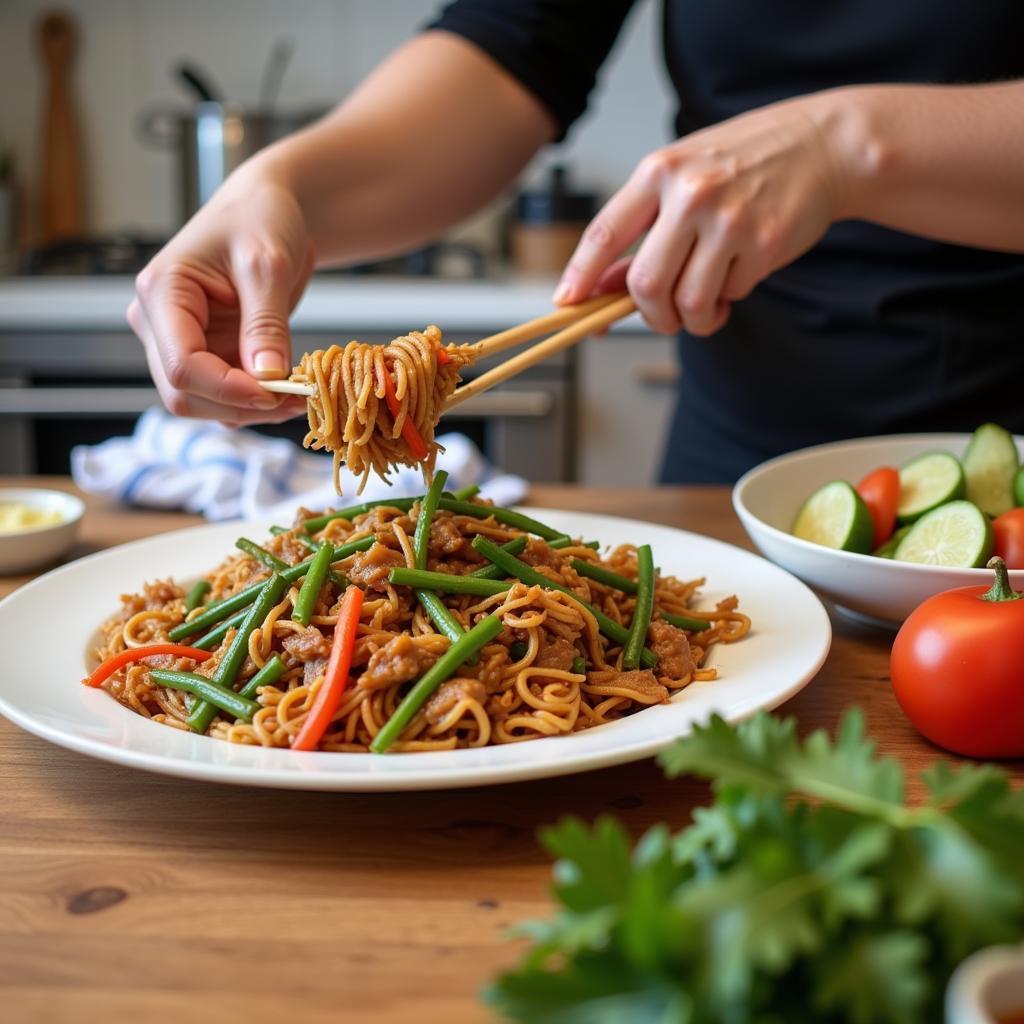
130,896
331,303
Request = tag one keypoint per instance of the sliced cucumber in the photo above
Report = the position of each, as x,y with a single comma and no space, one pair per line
926,482
1018,486
835,516
990,465
956,534
888,549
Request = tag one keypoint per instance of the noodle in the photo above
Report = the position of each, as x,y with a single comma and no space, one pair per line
349,415
525,685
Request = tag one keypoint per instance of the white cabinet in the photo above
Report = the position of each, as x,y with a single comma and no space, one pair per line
627,387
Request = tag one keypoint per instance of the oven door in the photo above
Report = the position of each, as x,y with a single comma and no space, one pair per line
51,400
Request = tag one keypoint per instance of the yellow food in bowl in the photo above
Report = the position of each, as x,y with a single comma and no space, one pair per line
18,516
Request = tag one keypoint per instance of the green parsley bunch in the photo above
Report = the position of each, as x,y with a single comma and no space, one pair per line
808,891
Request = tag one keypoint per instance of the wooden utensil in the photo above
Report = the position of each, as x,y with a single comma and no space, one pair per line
577,322
61,196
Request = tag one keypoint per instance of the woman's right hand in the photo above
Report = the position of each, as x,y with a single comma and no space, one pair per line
211,309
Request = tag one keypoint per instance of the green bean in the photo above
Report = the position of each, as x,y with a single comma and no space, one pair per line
194,598
208,641
685,622
440,616
338,579
513,547
501,515
317,523
428,506
611,629
495,572
568,542
482,633
253,550
603,575
446,583
202,712
309,592
579,665
270,673
218,610
465,493
208,692
628,586
642,610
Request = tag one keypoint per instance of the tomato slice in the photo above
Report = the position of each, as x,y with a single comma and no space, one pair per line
880,490
1008,537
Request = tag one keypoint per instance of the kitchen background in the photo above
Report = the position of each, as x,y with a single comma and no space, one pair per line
69,369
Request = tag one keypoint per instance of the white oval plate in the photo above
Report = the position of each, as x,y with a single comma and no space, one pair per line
51,622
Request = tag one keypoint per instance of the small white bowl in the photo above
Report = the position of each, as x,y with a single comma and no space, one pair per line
27,549
768,497
987,987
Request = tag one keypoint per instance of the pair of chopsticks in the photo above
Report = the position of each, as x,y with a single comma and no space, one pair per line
570,324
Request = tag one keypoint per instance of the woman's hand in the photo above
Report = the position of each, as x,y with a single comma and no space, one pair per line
212,307
721,209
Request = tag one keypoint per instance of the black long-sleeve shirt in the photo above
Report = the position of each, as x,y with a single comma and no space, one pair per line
873,330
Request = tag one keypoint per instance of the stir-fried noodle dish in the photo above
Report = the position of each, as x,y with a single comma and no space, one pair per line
377,406
411,625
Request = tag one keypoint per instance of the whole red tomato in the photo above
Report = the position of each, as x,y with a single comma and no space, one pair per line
957,669
1008,537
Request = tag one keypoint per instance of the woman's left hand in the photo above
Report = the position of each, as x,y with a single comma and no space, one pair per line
721,209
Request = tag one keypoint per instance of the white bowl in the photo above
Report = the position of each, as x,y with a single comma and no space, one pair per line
768,497
27,549
987,987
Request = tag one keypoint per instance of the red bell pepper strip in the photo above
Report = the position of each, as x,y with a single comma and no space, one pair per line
416,445
336,675
104,671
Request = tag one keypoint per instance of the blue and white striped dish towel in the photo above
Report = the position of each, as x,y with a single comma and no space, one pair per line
199,466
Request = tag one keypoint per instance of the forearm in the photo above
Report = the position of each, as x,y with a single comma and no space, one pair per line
434,133
939,161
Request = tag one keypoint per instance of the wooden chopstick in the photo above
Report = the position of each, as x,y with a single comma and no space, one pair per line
541,325
288,387
577,322
602,317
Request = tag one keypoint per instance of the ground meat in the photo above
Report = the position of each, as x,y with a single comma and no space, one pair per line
640,681
558,654
307,645
154,595
445,537
538,553
398,661
370,568
672,648
288,548
312,670
449,694
454,566
379,519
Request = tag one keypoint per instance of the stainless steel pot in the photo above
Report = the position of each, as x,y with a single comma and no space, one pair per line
212,140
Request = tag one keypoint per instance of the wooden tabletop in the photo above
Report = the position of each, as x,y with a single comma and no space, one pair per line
126,896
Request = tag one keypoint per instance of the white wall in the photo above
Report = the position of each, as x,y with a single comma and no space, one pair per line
128,46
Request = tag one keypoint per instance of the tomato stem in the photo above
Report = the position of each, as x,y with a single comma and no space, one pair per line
1000,589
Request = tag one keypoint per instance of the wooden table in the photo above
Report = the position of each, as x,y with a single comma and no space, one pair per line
126,896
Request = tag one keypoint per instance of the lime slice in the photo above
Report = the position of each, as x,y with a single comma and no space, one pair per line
926,482
888,549
835,516
990,465
956,534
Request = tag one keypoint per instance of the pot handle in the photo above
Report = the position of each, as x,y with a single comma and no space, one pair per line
161,127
